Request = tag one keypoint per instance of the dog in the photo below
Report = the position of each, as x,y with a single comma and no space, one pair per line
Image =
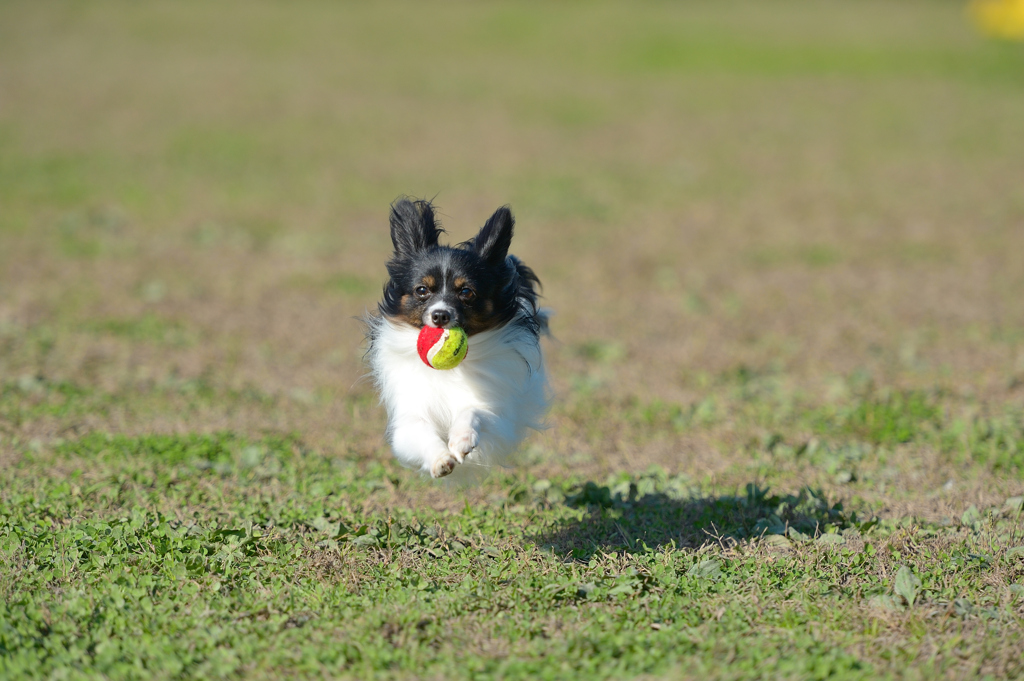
479,412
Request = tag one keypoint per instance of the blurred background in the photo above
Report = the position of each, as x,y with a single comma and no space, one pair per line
790,197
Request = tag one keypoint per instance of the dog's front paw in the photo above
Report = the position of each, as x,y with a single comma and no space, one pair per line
461,441
443,465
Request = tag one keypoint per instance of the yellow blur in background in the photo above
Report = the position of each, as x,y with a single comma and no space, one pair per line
999,18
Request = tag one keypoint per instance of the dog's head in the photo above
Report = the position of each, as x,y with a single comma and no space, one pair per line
473,285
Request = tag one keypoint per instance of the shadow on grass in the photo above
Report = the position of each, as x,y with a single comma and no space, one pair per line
620,520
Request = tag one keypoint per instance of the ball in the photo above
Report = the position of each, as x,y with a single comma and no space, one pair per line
442,348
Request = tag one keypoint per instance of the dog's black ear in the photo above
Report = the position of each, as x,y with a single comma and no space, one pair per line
413,226
495,237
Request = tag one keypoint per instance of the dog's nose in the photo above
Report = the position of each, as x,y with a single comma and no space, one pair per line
440,317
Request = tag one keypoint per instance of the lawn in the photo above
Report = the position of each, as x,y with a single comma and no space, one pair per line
784,244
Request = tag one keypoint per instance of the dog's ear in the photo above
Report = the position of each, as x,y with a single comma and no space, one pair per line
495,237
413,226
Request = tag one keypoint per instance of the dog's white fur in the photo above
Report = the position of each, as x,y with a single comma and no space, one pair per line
477,413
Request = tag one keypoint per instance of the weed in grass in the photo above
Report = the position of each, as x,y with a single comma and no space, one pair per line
996,441
882,418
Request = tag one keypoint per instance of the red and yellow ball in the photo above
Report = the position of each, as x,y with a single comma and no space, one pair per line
442,348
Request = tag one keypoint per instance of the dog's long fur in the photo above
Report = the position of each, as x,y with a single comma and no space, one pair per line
479,412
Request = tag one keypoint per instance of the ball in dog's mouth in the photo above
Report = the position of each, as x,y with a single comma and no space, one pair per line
442,348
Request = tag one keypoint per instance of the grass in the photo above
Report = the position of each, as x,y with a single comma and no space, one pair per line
186,555
783,246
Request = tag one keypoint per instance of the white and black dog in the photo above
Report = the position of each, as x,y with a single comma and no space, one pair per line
480,411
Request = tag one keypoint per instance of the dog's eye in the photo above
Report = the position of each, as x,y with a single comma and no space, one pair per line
422,292
467,294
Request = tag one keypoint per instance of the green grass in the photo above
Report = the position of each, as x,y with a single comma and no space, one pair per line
205,556
782,243
219,555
